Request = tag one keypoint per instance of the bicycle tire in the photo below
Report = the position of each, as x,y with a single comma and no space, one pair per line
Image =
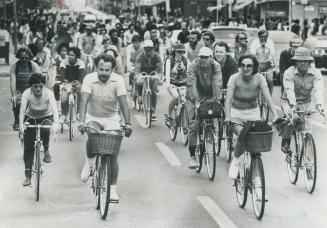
199,153
71,116
220,133
310,176
95,184
173,128
293,162
210,153
228,144
37,170
147,109
258,190
241,185
104,185
62,128
184,125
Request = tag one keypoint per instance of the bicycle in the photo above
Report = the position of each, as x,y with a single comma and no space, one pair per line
251,177
179,118
206,140
38,150
15,101
302,152
71,88
146,95
263,106
103,144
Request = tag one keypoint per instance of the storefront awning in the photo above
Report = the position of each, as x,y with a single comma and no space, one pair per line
241,4
151,2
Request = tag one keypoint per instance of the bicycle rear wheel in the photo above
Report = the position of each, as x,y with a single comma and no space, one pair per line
258,187
173,127
210,152
309,163
184,125
241,186
293,161
37,170
147,109
104,185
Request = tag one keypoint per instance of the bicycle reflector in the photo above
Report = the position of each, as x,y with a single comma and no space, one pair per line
210,112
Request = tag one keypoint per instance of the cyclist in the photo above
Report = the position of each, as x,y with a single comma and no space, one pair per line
38,103
176,68
71,70
102,91
204,80
265,54
88,40
193,45
208,39
241,103
241,45
20,73
300,82
285,60
129,34
149,61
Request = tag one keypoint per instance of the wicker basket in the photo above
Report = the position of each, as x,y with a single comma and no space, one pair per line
257,142
105,143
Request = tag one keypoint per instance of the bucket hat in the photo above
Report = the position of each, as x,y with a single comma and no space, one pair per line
205,51
302,54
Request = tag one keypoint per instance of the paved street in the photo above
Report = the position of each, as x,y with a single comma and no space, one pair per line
155,186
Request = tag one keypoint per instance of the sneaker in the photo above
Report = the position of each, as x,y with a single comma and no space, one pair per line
47,157
234,168
154,117
27,182
193,164
113,193
85,172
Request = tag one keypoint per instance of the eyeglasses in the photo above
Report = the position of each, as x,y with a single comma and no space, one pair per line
206,39
38,86
246,65
242,38
204,57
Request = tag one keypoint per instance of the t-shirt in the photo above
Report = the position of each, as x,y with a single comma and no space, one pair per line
23,74
103,102
229,68
72,72
245,94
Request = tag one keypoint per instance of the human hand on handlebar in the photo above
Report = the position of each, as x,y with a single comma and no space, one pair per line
81,127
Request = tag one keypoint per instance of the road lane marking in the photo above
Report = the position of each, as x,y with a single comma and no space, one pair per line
141,120
216,212
168,154
313,121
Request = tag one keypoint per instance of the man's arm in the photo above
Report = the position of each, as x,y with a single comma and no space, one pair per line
192,82
318,88
288,82
124,108
85,97
217,82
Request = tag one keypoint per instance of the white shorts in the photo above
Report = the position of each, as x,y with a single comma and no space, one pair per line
112,123
243,115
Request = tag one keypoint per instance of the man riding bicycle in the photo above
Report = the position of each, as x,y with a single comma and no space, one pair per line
132,51
147,62
102,93
204,80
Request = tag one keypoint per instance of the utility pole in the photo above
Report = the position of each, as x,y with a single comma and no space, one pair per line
15,24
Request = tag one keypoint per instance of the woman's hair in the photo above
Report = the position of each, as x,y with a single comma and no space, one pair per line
76,51
237,37
62,45
222,44
254,60
105,57
36,78
210,34
26,50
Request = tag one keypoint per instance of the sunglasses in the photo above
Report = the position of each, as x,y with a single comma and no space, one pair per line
246,65
206,39
204,57
242,38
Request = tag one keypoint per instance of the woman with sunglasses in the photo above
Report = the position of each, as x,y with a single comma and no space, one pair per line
37,104
241,103
241,45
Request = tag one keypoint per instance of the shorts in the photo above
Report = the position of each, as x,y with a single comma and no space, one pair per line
112,123
243,115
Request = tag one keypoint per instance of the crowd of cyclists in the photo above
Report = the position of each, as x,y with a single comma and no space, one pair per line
106,62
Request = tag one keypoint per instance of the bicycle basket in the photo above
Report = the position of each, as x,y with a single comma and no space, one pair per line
105,143
210,109
256,142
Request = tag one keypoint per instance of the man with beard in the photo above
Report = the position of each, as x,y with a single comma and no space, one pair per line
193,46
88,40
183,35
208,39
204,80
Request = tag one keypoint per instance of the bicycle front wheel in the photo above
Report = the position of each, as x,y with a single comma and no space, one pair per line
228,143
309,163
104,186
95,182
37,170
173,127
71,116
147,109
258,187
241,186
210,152
184,125
293,161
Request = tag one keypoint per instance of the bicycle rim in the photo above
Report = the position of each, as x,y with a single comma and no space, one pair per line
258,187
95,183
184,126
210,153
147,110
220,134
173,127
309,163
37,170
104,186
293,161
241,186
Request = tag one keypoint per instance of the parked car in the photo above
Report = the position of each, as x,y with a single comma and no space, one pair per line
281,40
318,48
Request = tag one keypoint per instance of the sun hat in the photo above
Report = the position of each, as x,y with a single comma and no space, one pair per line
302,54
296,42
205,51
179,47
148,43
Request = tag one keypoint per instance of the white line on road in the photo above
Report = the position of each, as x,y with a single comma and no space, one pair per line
313,121
169,155
216,212
141,120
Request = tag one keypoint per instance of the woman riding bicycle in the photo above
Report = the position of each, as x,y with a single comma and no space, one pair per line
37,104
176,67
241,102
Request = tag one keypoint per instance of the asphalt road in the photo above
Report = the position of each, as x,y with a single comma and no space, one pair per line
156,188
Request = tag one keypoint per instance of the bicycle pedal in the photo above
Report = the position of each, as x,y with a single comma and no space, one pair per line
114,201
